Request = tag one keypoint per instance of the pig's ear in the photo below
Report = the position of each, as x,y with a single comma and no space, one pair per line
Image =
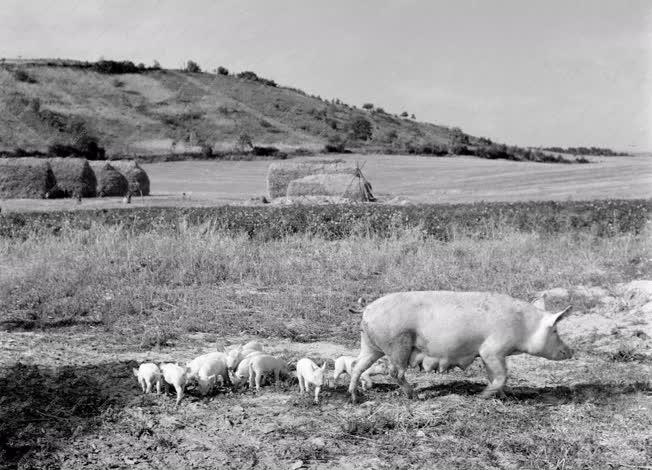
323,367
553,318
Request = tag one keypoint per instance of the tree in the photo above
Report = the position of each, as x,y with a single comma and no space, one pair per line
193,67
244,142
368,106
361,129
222,70
156,65
404,114
413,116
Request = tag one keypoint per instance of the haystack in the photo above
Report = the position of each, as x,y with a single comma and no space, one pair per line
280,174
110,182
136,176
351,187
26,177
74,177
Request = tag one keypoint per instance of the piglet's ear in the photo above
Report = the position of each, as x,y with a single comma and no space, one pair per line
323,367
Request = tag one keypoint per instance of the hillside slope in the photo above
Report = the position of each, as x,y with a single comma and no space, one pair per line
164,111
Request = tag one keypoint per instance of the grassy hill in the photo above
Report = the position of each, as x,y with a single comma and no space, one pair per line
165,111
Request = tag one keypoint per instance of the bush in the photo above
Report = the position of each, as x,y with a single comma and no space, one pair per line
192,67
336,144
368,106
404,114
265,151
22,76
115,67
222,70
361,129
244,142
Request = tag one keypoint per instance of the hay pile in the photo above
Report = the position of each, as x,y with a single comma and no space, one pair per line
340,185
26,177
136,176
74,177
280,174
110,182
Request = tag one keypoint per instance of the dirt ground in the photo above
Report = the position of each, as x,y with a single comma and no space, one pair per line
69,400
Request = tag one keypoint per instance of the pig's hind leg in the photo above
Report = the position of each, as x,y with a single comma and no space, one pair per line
368,355
399,353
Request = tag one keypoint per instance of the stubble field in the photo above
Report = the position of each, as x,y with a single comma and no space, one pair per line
428,180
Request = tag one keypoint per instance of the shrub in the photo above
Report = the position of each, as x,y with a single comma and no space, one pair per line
336,144
192,67
222,70
368,106
115,67
35,105
248,75
265,151
117,83
156,65
404,114
459,149
361,128
22,76
244,142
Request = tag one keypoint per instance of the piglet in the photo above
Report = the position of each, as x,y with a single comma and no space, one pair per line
310,373
148,374
263,364
174,375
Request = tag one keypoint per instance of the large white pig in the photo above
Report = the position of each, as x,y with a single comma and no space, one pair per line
454,328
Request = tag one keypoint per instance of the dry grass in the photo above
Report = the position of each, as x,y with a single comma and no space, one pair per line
346,186
281,174
198,279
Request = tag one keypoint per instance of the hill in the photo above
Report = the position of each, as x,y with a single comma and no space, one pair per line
63,106
163,111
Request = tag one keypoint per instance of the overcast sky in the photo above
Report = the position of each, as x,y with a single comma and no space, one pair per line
544,72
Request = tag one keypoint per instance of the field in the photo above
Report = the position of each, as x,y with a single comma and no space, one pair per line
85,302
395,179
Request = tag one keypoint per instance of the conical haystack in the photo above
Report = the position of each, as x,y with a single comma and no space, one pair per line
110,182
136,176
26,177
74,177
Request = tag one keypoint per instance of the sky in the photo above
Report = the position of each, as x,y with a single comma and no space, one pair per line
534,73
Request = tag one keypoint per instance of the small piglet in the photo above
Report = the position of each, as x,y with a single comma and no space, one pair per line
174,375
148,374
310,373
263,364
242,371
346,363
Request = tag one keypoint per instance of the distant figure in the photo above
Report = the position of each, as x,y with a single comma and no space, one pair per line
78,197
127,198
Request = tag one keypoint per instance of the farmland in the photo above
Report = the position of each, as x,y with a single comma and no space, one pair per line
88,294
395,179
